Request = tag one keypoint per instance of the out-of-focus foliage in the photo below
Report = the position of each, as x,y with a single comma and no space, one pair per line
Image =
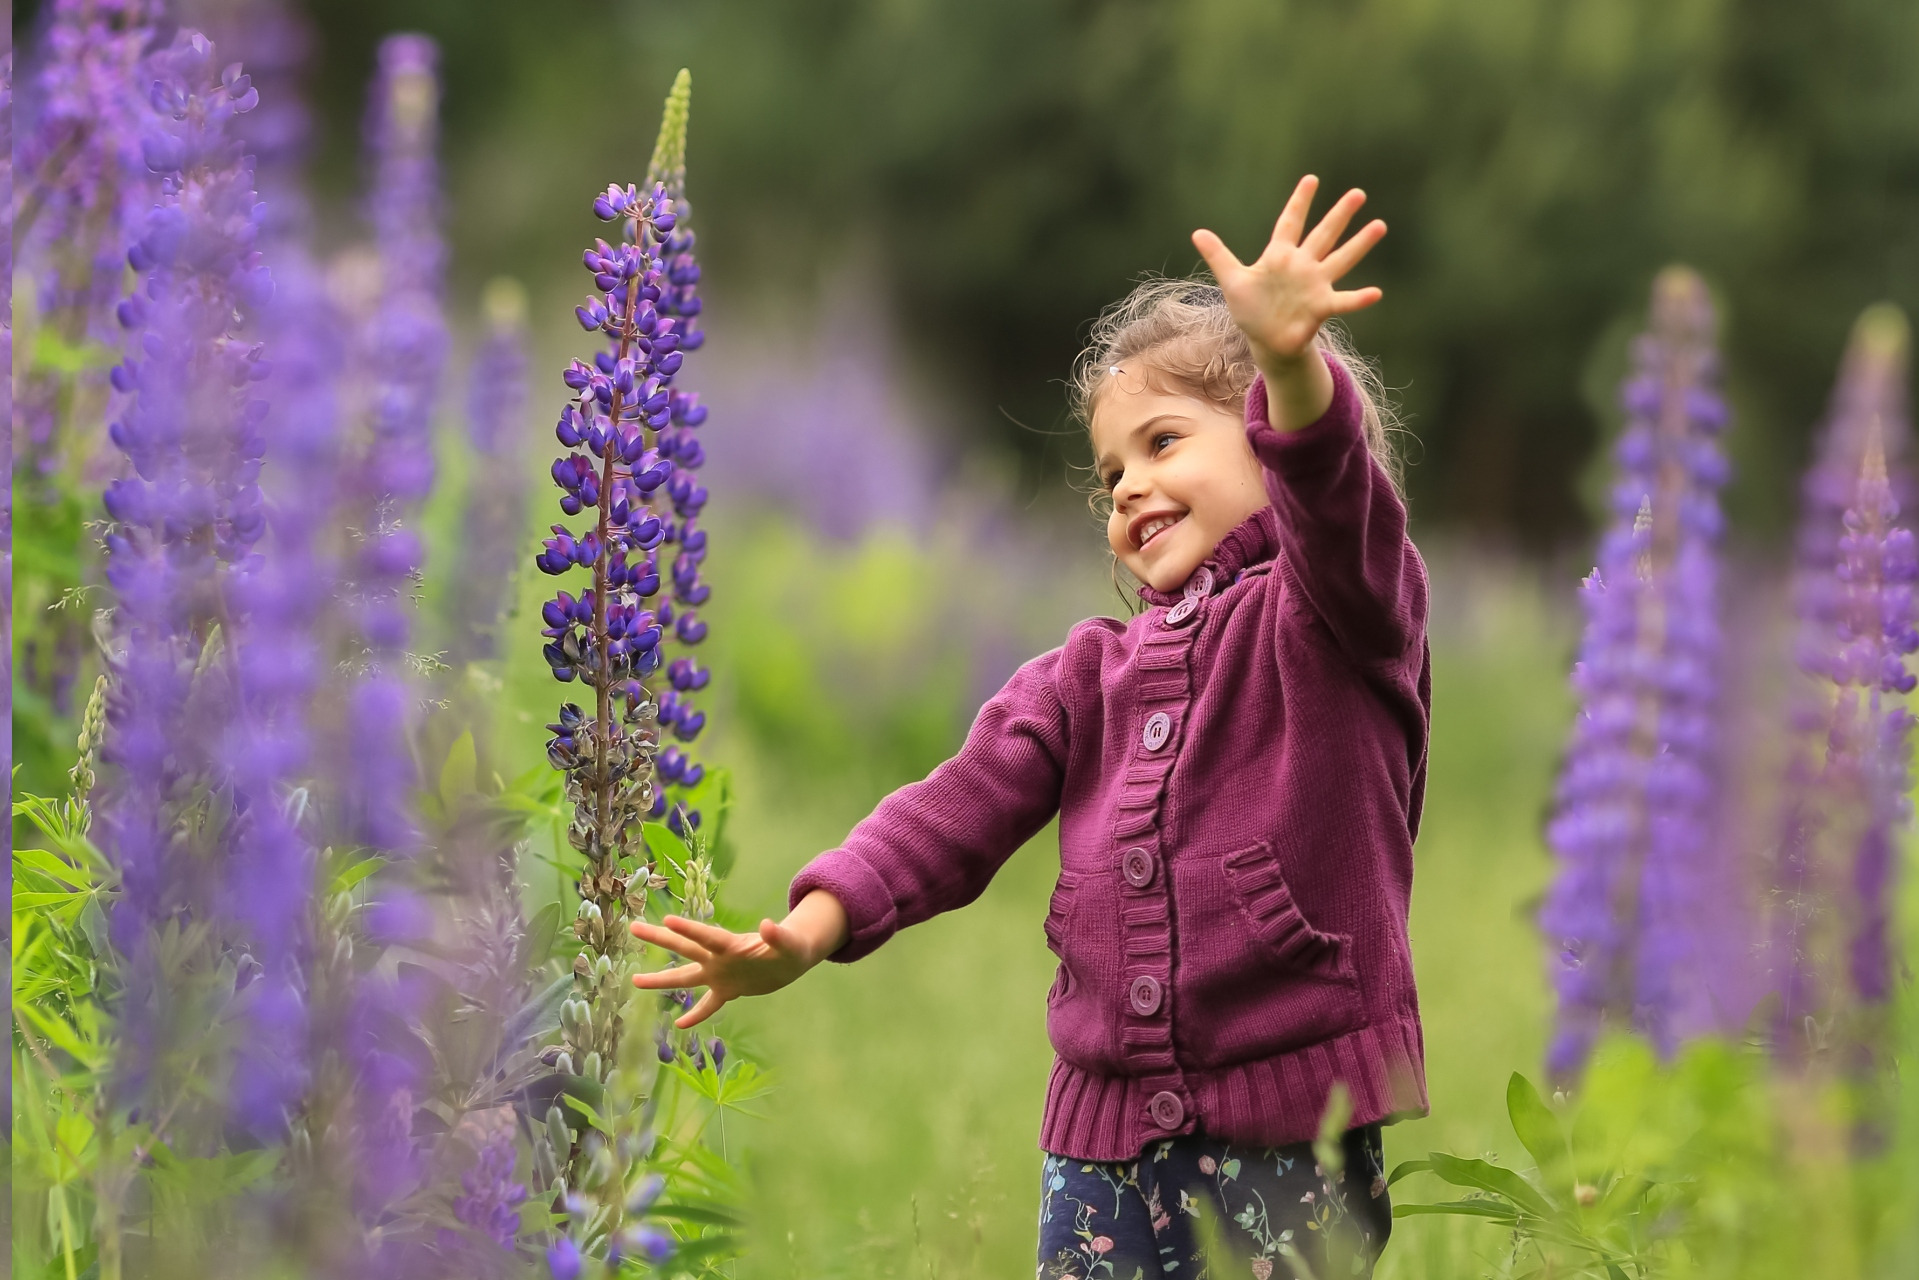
1015,163
1712,1166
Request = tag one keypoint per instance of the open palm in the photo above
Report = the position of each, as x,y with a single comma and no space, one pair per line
1280,299
727,964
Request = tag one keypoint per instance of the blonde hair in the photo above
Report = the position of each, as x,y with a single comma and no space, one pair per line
1181,337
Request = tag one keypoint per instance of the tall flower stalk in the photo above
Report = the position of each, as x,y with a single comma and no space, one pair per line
1847,783
175,821
80,193
496,497
679,443
1633,821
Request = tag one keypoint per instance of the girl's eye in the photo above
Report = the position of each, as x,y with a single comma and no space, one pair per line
1111,480
1160,438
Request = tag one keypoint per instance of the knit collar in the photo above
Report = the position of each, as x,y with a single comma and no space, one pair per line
1252,541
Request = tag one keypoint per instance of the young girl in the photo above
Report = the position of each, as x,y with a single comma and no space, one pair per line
1238,774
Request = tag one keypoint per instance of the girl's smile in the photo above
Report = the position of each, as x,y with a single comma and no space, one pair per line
1179,472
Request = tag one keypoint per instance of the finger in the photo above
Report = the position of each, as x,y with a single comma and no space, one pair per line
677,943
708,1005
707,935
1333,225
1347,256
680,976
1292,219
1355,299
780,937
1219,259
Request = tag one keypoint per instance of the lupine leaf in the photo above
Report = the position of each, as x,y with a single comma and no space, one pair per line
1540,1131
1487,1176
1460,1208
458,773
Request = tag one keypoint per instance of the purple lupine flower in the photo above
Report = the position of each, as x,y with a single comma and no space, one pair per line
275,41
1847,782
679,442
401,352
563,1261
81,188
492,1198
1635,797
607,638
83,181
185,521
496,503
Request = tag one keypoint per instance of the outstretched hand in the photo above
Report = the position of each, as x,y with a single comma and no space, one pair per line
1282,297
727,964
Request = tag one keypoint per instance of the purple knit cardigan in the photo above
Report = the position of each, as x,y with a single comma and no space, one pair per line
1238,774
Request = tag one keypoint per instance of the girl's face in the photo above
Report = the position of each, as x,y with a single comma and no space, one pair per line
1180,473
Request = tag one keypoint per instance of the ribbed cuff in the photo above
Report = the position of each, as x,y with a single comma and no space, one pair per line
870,915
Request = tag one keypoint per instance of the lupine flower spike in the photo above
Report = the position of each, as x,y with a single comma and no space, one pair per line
185,520
496,499
680,443
1847,806
1632,828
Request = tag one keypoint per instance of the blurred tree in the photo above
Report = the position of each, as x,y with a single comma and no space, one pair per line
1013,164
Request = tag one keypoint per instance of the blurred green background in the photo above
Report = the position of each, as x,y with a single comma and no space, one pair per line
909,211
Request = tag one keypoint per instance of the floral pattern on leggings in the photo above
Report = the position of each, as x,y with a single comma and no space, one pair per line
1275,1211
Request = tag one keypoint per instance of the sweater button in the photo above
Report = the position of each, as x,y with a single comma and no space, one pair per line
1178,615
1145,995
1167,1110
1159,727
1137,866
1200,584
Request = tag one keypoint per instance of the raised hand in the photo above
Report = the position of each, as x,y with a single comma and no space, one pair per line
727,964
1280,299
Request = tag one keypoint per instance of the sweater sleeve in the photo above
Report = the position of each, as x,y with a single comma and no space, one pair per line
1341,524
934,845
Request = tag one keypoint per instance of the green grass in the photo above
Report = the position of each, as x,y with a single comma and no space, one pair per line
901,1141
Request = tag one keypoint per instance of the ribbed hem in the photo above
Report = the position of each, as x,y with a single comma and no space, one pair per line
1267,1102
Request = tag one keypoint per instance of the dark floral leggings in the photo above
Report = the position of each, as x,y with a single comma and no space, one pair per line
1274,1212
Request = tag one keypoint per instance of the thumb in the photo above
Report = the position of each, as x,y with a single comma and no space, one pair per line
1219,259
779,937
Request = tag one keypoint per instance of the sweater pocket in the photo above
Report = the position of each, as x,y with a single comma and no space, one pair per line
1254,977
1059,912
1079,1017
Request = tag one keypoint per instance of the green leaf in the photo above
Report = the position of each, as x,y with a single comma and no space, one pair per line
353,873
1460,1208
541,932
1485,1176
1405,1167
458,773
25,901
592,1115
715,1215
1539,1129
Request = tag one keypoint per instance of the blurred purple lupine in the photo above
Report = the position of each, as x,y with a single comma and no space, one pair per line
491,1196
185,521
83,182
81,190
274,39
496,499
679,443
1847,783
1635,798
405,349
